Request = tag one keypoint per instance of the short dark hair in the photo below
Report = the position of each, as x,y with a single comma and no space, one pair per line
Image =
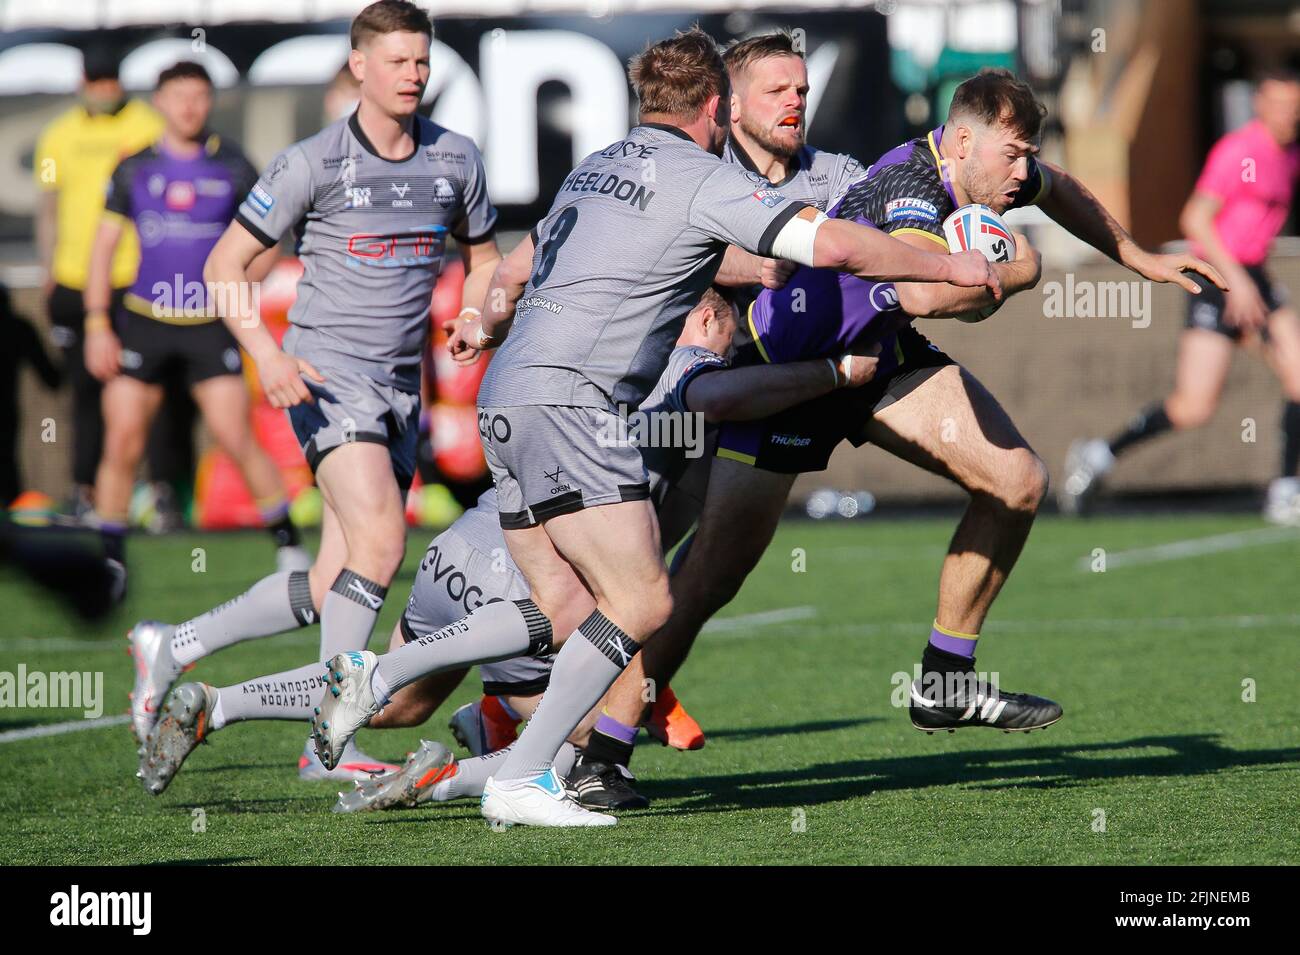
1275,74
715,300
996,97
184,70
744,53
389,16
678,75
99,62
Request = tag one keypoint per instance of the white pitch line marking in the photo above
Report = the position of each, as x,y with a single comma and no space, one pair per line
1136,625
1195,547
762,619
58,729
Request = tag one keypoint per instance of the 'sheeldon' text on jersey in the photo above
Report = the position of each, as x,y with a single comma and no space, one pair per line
635,235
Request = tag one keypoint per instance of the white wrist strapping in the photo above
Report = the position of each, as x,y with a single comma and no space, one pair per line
796,239
843,369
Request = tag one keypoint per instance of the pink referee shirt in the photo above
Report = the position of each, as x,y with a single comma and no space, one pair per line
1256,196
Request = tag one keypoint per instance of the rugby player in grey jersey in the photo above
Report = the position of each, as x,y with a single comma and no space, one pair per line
769,103
468,566
613,269
372,200
769,100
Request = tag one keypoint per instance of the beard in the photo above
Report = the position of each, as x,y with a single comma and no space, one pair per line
981,188
782,149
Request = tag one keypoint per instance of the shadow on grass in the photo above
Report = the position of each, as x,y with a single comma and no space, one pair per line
217,860
1038,767
236,806
754,732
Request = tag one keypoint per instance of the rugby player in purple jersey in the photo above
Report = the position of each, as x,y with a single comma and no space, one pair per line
921,406
180,194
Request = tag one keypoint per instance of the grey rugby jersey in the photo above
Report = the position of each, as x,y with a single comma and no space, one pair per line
371,234
818,178
634,237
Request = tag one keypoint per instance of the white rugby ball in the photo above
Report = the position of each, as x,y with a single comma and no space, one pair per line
978,227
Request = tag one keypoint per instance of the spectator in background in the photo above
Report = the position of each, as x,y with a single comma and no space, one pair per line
74,158
189,184
22,345
1239,206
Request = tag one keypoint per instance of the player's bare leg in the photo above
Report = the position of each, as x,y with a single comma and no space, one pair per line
739,517
356,480
1204,357
357,483
952,426
223,401
1283,355
615,551
129,407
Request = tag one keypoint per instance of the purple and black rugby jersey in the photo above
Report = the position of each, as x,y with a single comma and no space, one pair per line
179,206
820,312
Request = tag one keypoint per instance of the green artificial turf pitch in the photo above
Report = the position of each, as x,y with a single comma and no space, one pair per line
807,760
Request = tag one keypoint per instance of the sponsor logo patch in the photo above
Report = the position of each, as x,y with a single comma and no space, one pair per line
180,195
443,193
261,201
769,197
910,208
212,187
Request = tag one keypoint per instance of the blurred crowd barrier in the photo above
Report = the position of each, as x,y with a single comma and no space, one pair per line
1060,376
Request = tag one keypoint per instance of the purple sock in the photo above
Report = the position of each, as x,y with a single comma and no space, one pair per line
961,644
274,513
615,730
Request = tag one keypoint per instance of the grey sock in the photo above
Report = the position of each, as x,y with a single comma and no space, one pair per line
281,696
272,605
348,613
588,663
495,631
472,773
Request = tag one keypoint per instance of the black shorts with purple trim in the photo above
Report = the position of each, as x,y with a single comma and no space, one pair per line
801,439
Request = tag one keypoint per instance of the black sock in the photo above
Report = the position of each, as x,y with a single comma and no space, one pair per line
284,533
1291,439
114,539
935,660
1147,423
605,749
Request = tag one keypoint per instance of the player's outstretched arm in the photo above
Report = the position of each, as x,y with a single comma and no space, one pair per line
481,260
871,254
470,335
740,269
1074,207
931,300
757,391
102,349
226,273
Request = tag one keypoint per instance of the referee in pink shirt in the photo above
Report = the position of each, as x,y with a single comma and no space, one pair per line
1239,206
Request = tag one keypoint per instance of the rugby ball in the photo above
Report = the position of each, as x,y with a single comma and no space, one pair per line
978,227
